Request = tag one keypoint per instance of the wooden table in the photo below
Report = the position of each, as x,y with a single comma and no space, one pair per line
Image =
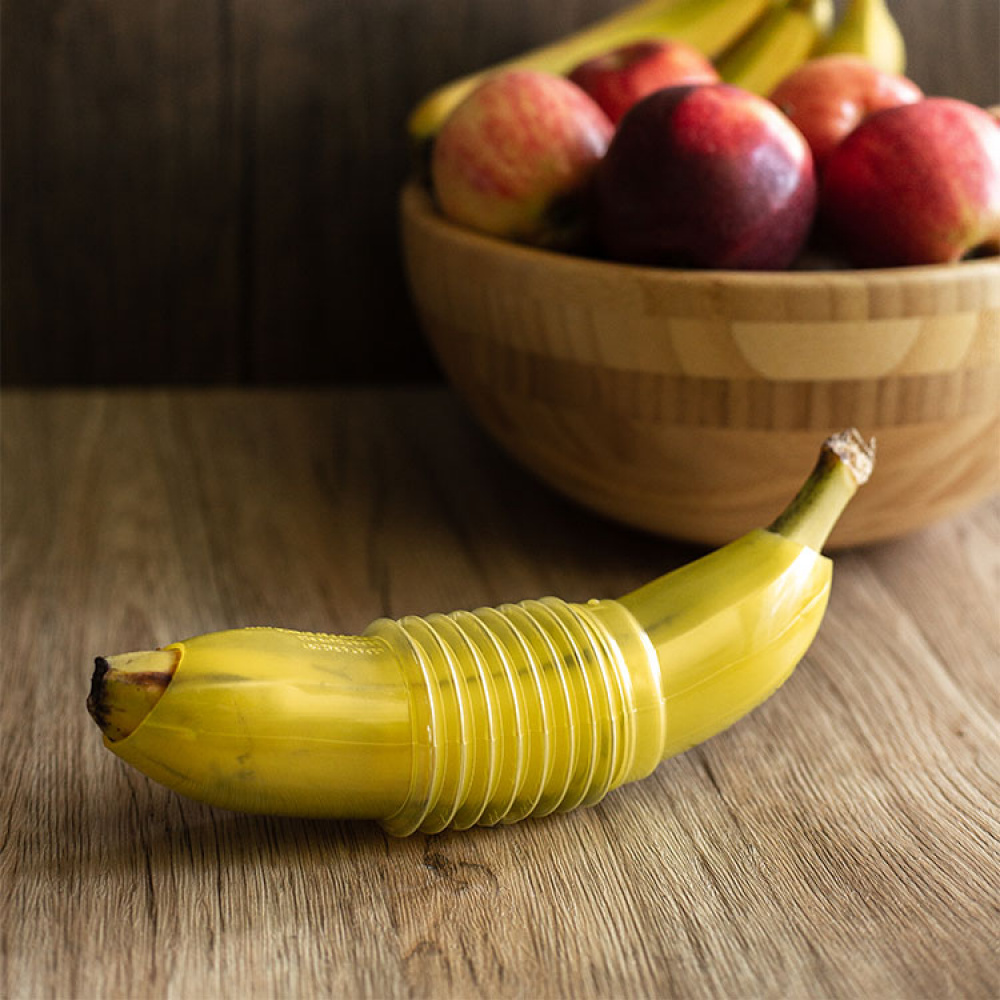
841,841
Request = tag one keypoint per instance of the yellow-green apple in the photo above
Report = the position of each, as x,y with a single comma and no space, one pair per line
705,176
618,79
916,184
515,158
829,96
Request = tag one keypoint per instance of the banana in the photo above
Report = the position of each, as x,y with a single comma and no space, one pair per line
868,29
483,716
778,43
709,25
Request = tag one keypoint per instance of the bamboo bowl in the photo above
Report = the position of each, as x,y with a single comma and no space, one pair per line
692,403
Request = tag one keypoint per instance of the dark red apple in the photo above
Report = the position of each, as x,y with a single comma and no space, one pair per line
618,79
514,159
705,176
827,98
916,184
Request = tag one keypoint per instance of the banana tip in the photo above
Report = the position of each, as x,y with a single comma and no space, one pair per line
96,703
125,687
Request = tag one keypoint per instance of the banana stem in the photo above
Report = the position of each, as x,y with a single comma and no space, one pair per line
845,462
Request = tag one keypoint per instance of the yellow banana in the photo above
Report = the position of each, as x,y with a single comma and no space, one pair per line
781,41
868,29
483,716
709,25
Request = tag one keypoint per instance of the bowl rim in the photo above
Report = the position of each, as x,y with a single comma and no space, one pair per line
417,204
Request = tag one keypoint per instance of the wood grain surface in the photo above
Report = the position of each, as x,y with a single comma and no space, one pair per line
839,842
205,190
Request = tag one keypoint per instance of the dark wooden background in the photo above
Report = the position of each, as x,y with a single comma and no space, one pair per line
205,190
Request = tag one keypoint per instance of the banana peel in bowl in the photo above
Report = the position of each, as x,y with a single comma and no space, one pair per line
486,716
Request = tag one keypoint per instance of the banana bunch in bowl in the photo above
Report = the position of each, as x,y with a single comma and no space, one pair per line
753,44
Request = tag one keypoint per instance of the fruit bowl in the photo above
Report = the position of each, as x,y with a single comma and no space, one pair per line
689,403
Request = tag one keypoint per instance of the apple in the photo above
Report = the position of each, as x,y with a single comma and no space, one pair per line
707,175
618,79
515,158
916,184
827,97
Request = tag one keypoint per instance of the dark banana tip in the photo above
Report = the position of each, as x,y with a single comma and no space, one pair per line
96,704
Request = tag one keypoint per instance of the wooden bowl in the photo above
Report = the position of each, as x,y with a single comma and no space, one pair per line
692,403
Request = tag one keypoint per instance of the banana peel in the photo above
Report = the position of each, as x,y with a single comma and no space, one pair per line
868,29
778,43
485,716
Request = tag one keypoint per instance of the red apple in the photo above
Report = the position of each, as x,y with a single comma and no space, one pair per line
705,176
618,79
514,159
916,184
827,98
